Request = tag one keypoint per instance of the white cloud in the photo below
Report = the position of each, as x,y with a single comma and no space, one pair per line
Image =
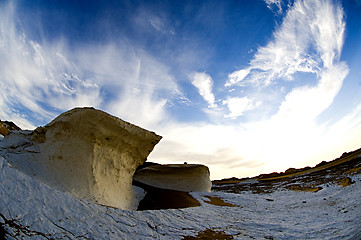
204,83
238,106
139,108
327,28
148,21
306,103
309,38
237,77
160,25
36,78
44,79
326,34
278,4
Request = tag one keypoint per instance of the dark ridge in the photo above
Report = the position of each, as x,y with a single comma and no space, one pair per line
11,126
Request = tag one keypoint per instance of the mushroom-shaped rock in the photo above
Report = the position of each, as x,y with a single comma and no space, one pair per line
89,154
180,177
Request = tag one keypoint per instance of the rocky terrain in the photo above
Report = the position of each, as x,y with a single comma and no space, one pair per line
338,171
168,201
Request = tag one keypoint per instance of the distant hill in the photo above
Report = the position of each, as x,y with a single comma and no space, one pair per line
308,178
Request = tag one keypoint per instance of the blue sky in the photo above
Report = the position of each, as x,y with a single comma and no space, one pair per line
244,87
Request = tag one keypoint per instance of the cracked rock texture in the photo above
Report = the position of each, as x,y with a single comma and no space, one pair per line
85,152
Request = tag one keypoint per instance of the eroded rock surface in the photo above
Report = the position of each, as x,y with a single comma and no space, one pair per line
85,152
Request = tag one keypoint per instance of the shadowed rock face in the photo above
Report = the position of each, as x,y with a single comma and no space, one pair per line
160,198
11,126
87,153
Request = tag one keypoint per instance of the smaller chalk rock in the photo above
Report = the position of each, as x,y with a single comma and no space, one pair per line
180,177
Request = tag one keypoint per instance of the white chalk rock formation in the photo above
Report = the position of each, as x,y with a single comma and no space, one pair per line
181,177
85,152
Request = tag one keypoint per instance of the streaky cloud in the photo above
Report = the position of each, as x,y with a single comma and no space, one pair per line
47,78
204,83
309,38
277,3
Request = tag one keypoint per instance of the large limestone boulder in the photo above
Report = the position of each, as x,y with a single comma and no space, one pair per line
180,177
87,153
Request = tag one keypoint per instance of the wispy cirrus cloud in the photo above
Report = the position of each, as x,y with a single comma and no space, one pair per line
33,75
204,83
277,3
147,21
44,79
309,40
159,25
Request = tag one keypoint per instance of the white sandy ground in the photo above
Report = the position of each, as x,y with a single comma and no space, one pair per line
46,213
